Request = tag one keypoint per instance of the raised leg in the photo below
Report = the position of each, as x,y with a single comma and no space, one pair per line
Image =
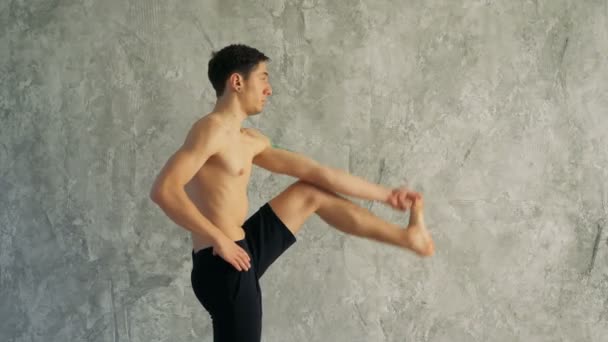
301,199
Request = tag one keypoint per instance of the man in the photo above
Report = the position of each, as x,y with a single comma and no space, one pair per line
203,188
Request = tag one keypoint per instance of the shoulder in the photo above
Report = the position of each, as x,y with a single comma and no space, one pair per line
212,121
206,130
258,135
209,125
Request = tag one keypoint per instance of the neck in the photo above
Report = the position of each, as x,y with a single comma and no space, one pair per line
231,109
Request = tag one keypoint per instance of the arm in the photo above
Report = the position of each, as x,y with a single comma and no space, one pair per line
282,161
341,181
203,141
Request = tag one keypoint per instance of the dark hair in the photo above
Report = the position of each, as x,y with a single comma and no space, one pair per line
232,58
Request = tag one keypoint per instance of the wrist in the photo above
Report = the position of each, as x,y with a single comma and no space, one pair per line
216,237
385,194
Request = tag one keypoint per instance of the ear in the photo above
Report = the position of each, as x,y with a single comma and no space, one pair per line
236,81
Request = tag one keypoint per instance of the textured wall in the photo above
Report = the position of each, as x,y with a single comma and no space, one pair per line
496,110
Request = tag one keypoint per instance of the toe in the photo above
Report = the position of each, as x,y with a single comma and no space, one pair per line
431,248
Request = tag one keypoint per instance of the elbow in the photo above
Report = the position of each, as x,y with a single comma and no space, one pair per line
163,192
158,195
155,195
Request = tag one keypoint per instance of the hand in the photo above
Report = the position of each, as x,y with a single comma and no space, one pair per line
401,198
232,253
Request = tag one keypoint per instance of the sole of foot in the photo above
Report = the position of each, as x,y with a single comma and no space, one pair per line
418,237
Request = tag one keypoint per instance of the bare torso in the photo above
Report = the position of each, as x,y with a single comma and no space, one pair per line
219,188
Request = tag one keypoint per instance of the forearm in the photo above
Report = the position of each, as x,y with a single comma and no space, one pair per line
179,208
338,180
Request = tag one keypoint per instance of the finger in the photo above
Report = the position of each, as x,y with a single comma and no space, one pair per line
403,200
391,201
236,265
247,264
245,254
241,261
244,261
412,196
399,202
244,265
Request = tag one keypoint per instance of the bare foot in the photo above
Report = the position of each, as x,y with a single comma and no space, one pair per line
417,237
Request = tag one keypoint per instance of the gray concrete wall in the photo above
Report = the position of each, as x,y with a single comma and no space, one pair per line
496,110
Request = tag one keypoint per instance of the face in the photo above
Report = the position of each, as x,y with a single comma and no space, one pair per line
256,89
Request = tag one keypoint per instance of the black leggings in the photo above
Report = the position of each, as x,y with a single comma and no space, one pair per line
233,298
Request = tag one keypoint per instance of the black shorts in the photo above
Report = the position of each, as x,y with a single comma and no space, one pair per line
233,298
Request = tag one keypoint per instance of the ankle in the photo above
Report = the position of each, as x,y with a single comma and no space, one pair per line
406,240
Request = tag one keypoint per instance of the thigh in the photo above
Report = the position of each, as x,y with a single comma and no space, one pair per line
231,297
267,238
240,319
296,204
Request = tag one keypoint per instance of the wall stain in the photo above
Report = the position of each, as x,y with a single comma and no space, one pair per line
600,228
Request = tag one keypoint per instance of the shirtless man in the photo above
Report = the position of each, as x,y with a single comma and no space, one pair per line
203,188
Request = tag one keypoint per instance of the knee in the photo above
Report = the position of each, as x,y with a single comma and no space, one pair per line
314,195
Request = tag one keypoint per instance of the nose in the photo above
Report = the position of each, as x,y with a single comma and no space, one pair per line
268,91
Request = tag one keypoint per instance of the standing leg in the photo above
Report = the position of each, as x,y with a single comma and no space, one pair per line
231,297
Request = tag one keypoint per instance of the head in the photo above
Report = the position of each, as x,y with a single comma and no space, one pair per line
240,72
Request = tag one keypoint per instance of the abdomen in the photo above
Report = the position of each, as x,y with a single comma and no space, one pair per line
223,202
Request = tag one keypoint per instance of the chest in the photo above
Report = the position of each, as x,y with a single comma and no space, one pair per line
235,159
